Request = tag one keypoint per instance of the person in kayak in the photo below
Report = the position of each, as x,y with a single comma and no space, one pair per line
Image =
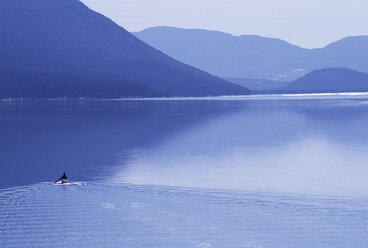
63,178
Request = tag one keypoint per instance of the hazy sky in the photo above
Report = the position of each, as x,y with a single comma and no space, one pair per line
307,23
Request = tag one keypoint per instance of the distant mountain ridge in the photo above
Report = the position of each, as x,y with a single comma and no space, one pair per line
45,40
250,56
329,80
257,84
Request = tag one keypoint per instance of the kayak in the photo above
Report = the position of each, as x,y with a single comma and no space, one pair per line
62,182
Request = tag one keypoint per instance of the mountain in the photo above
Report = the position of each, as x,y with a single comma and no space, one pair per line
329,80
15,84
250,56
46,42
347,53
257,84
225,55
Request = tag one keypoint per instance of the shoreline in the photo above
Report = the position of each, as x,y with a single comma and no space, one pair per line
223,97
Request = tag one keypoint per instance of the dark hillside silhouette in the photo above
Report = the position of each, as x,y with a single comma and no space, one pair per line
64,37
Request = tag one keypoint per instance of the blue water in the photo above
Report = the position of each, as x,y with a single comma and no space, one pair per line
212,172
109,215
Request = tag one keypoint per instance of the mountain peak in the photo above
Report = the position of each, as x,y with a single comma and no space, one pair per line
350,41
66,39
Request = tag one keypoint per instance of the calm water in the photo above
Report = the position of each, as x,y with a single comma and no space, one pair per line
310,146
216,172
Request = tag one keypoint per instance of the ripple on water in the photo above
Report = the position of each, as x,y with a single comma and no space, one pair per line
119,215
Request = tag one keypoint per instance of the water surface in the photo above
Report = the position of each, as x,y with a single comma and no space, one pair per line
258,171
305,145
118,215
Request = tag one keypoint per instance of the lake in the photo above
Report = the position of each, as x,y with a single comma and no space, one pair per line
256,171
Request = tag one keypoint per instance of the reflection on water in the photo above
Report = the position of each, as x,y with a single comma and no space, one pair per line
310,146
40,139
